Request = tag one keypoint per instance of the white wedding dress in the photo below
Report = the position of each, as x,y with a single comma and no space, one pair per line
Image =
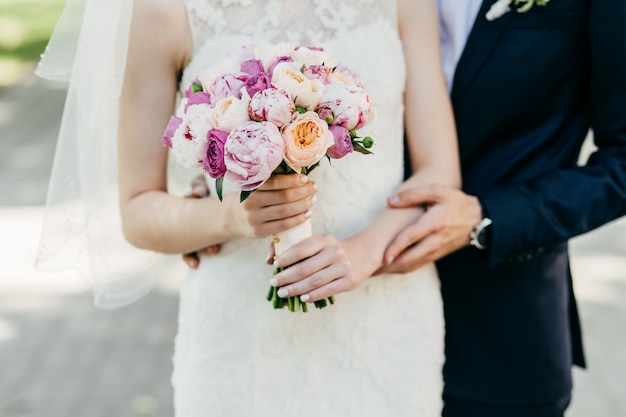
378,351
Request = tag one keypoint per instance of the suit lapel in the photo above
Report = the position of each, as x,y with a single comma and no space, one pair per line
482,40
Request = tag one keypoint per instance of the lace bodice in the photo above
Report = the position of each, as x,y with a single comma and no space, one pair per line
305,22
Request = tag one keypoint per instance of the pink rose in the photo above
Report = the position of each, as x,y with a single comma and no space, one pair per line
349,103
306,140
228,85
171,128
272,105
214,162
343,142
253,150
258,82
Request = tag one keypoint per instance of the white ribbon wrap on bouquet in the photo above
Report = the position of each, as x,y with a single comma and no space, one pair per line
285,240
82,224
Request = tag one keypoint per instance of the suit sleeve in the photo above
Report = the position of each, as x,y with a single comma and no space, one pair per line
567,202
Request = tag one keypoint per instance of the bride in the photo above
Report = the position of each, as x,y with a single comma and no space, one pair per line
378,350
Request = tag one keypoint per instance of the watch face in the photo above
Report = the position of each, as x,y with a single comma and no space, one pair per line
484,236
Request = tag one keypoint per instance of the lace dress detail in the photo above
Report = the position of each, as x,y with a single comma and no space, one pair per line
314,21
379,350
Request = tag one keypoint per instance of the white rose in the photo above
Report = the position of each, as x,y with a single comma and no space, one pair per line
305,93
267,54
314,57
229,112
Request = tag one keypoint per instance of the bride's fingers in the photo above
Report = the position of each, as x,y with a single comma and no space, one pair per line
331,289
277,226
284,181
277,197
277,212
305,250
317,283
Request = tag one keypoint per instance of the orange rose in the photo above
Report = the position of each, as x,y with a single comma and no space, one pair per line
306,140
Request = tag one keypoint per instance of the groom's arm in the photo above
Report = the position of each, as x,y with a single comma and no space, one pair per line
556,206
568,202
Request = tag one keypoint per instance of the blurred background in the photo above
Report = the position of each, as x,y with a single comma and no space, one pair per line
61,357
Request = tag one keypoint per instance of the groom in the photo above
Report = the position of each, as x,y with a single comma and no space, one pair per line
525,90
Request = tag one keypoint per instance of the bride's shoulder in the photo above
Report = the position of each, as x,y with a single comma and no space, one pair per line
162,10
162,24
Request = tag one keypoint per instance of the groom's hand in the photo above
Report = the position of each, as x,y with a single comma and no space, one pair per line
444,228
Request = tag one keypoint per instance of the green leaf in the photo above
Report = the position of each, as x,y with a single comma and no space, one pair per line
301,109
196,88
244,195
311,168
219,186
361,149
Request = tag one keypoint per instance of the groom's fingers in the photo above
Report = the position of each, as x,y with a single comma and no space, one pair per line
417,196
409,236
413,258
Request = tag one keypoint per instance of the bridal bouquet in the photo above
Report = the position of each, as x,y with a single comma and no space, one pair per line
270,109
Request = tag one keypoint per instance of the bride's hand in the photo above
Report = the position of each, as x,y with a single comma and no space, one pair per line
319,267
284,201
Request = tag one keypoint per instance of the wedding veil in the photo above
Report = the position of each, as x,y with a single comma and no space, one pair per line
82,226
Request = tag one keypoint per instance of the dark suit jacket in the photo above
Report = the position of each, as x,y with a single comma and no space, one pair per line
526,90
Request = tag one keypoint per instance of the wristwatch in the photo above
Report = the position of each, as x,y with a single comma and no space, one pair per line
480,237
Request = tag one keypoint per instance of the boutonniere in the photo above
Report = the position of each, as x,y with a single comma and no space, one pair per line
501,7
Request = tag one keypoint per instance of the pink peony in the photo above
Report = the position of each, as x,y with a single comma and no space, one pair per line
253,150
214,162
258,82
349,103
326,114
252,67
172,126
343,142
198,98
318,72
279,60
228,85
272,105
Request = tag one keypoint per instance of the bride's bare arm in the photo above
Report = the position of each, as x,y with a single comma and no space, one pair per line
429,122
159,48
322,265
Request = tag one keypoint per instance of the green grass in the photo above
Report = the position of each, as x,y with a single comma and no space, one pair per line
25,27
